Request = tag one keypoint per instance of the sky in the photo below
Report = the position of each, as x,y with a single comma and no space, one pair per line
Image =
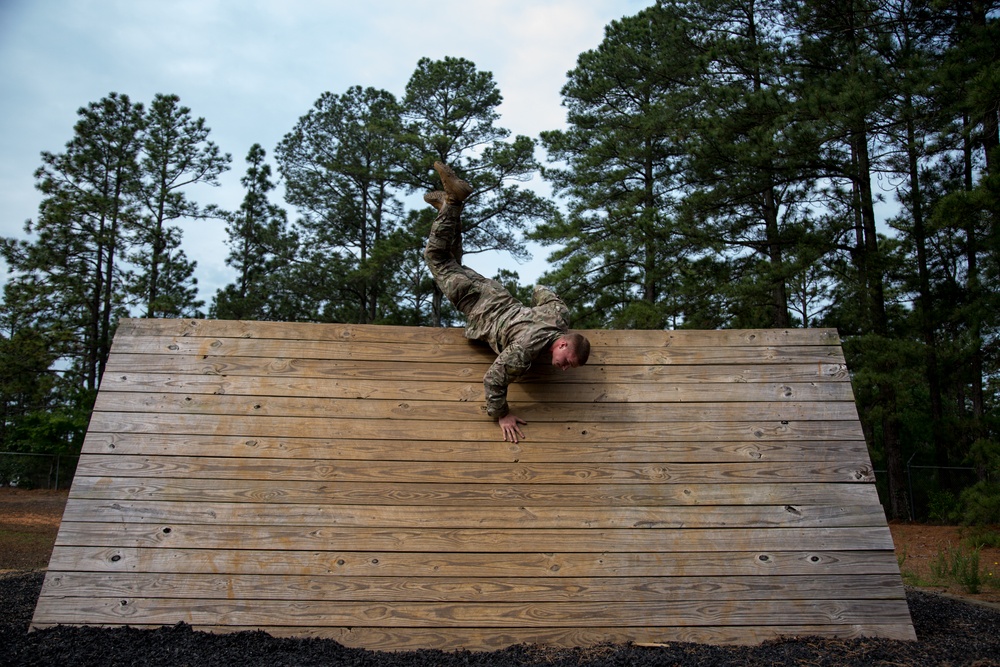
252,68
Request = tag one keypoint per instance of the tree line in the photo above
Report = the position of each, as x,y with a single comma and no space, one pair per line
725,163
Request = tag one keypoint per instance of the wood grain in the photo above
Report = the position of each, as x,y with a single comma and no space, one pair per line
435,516
210,586
411,472
290,447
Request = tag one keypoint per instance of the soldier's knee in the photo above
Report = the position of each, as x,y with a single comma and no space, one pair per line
435,257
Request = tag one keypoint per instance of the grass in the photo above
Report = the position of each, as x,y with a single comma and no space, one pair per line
960,566
983,538
910,578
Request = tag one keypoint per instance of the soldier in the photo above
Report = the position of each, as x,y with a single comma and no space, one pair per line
517,333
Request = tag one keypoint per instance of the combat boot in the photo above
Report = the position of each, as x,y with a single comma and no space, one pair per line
455,188
437,199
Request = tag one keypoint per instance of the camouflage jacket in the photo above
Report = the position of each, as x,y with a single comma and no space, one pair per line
518,334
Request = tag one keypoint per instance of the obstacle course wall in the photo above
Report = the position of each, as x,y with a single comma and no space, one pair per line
344,481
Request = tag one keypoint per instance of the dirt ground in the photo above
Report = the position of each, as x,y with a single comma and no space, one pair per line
29,521
918,546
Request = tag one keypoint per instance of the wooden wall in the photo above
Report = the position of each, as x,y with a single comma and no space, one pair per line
344,481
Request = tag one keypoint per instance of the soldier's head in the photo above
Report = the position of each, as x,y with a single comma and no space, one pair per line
570,351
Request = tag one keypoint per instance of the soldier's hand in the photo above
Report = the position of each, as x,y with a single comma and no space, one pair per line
510,426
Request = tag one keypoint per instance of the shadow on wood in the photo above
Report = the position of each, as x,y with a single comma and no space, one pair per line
344,481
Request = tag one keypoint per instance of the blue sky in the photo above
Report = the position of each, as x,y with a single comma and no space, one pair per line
251,68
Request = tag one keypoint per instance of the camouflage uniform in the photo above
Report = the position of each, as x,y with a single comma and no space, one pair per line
517,333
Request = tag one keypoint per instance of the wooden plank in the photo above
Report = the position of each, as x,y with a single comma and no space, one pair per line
471,410
460,353
580,434
220,468
426,390
471,614
290,367
469,540
477,495
314,563
402,335
530,451
59,585
713,338
435,516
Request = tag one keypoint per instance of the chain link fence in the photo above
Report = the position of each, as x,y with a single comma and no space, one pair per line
37,471
929,489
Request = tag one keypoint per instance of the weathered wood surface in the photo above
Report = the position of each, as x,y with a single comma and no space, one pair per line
326,562
343,481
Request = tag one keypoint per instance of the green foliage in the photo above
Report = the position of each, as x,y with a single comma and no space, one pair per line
450,107
176,154
943,507
14,471
719,169
339,163
70,282
748,179
349,163
960,566
262,251
121,178
983,537
450,111
910,578
101,248
980,503
41,411
55,431
620,160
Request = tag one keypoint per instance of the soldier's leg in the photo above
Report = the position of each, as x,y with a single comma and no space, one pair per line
446,230
438,199
459,283
455,192
443,252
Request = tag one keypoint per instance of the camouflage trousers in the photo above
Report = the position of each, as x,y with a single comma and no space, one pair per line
443,253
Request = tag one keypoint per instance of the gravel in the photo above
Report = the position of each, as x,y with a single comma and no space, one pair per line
950,632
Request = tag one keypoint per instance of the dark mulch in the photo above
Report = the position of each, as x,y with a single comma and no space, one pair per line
950,632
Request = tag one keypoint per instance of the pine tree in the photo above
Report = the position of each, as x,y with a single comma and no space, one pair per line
261,250
340,163
628,101
71,278
748,188
970,84
176,154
